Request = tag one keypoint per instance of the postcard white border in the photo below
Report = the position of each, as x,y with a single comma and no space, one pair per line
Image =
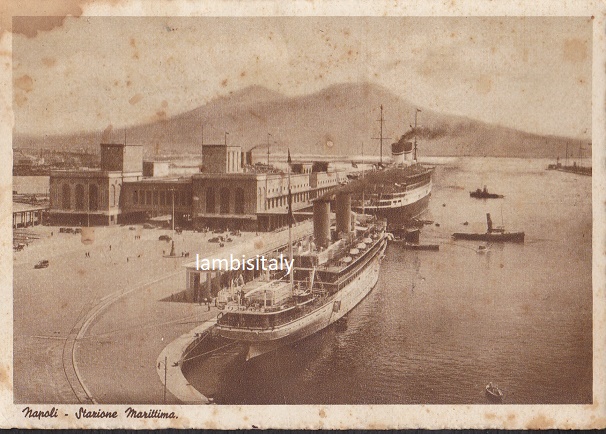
342,416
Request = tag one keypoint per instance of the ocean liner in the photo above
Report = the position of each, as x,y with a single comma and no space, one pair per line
333,271
399,191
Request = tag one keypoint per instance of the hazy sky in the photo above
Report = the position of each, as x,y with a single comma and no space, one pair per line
529,73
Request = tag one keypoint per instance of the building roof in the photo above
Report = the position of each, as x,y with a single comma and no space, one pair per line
120,144
20,207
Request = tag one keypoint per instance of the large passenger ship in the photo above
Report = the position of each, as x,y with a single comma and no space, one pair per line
333,271
399,191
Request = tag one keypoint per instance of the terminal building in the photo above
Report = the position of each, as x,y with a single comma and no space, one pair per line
226,194
92,196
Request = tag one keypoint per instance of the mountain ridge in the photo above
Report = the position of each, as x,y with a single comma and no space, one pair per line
335,120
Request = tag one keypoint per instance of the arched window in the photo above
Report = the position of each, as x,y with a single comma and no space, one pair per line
239,201
66,197
225,197
210,200
113,196
135,197
79,196
93,197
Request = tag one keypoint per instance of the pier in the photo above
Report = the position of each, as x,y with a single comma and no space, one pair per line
100,322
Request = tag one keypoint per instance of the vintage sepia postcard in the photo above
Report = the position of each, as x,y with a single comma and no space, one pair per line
303,214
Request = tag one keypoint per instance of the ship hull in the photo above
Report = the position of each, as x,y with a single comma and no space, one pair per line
399,215
514,237
336,307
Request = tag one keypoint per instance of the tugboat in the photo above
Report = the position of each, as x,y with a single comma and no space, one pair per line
484,194
494,393
332,272
493,234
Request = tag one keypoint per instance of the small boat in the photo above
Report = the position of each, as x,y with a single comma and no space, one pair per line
482,249
484,194
493,235
403,234
493,392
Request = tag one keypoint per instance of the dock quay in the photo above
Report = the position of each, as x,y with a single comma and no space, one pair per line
100,333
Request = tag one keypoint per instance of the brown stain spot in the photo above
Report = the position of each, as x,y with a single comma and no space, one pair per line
5,382
501,266
484,84
243,74
129,83
81,272
135,56
164,104
25,83
20,99
49,61
135,99
511,417
540,422
490,416
575,50
133,43
259,244
322,413
224,83
160,115
598,423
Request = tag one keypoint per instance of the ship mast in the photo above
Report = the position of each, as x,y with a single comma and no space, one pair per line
290,219
363,186
380,138
415,131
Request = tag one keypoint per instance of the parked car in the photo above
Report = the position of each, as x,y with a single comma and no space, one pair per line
214,240
148,226
132,228
42,264
164,238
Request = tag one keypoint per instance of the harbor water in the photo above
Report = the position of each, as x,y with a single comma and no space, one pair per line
440,325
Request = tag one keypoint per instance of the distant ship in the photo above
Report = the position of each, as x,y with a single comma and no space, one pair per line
401,191
484,194
332,273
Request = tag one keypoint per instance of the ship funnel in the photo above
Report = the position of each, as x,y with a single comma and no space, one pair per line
343,213
401,151
322,222
489,222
